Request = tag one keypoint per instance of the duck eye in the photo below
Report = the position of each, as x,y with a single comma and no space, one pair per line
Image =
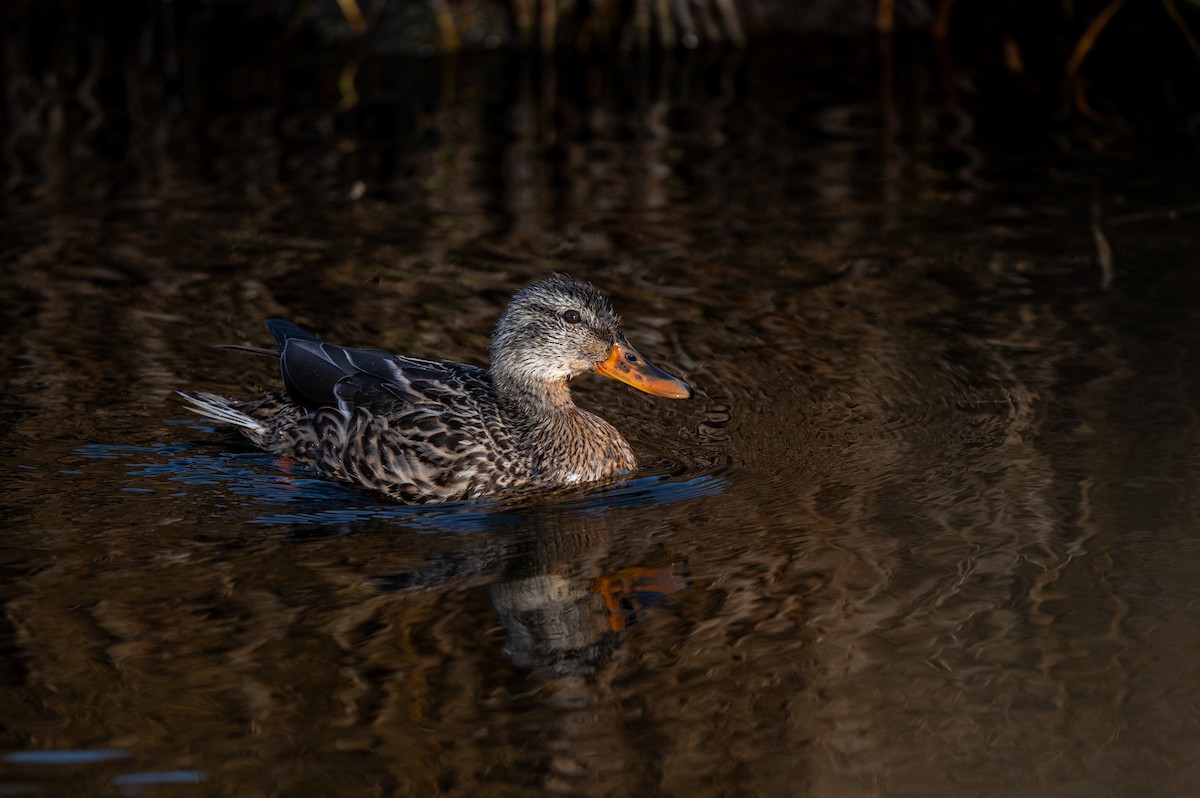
571,317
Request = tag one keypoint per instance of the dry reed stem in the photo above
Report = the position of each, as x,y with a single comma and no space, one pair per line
885,15
346,86
447,27
523,14
733,24
1104,253
353,15
1088,40
941,23
1173,12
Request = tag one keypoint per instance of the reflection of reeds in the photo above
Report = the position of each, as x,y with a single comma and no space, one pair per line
599,24
906,575
1018,37
1082,51
643,23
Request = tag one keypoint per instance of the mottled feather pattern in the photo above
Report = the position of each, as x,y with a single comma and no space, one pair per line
423,430
417,440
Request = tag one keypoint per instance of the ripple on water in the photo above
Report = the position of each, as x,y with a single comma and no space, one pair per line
312,500
82,756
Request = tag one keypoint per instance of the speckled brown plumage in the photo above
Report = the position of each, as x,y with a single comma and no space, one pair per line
434,431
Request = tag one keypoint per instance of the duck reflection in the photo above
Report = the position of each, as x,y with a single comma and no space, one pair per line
562,613
562,609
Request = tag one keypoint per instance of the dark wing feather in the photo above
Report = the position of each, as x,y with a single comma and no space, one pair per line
418,430
284,331
317,374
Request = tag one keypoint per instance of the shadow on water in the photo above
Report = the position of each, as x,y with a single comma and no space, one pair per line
927,528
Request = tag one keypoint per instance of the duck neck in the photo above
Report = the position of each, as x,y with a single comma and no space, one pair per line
561,438
530,406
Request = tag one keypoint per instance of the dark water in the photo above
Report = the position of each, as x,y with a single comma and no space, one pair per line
929,528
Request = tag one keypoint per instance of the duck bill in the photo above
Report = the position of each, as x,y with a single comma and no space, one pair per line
624,364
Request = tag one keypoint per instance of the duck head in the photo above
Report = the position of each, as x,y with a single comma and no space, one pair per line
560,328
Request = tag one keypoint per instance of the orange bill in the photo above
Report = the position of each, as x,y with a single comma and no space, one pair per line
624,364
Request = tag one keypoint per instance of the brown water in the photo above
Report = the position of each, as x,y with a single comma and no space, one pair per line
929,528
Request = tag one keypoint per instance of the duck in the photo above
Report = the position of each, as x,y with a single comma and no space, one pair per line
426,431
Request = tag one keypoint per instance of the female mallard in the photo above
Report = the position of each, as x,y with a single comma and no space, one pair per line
435,431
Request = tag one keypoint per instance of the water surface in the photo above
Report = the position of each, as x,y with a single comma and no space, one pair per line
927,529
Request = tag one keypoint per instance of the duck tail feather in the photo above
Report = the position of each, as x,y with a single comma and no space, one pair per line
253,350
220,408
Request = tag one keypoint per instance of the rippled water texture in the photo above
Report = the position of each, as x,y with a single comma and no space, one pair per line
928,529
